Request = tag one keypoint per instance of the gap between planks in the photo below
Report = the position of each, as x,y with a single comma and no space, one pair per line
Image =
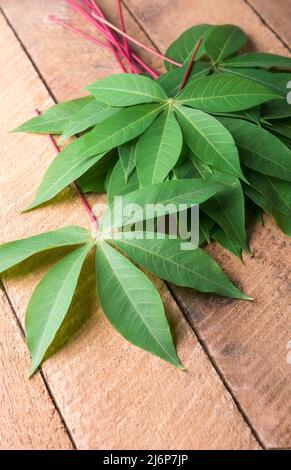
201,342
267,24
176,299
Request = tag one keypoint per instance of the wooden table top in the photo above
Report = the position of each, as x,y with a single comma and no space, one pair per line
99,392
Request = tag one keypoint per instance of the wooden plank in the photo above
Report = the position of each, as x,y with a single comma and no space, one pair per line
28,418
277,15
247,341
111,394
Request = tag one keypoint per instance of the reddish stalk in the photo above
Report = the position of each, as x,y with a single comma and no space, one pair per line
146,67
112,40
74,185
121,19
188,70
135,41
77,7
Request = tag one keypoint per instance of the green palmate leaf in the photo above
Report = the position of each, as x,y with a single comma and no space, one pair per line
259,59
171,81
281,127
223,41
158,149
227,242
204,170
276,109
64,169
260,150
171,194
209,140
135,309
95,178
223,93
185,170
127,157
55,119
90,115
227,208
127,90
206,225
275,81
181,49
190,268
277,191
281,220
50,302
14,252
117,186
82,154
252,114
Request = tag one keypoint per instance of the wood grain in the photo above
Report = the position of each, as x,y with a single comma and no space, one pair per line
28,418
111,394
277,15
247,341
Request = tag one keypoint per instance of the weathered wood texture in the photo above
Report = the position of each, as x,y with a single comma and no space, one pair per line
28,418
111,395
247,341
276,14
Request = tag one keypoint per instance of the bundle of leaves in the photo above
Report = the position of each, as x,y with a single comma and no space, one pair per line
214,132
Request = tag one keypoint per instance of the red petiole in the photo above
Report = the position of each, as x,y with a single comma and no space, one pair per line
188,70
75,186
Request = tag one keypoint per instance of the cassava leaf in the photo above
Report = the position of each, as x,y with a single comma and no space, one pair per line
209,140
63,170
127,89
75,159
276,109
170,81
227,242
91,183
169,193
55,119
281,127
128,158
135,309
188,268
281,220
259,59
117,186
94,180
158,149
277,191
90,115
181,49
227,208
206,225
223,93
12,253
275,81
50,302
223,41
259,149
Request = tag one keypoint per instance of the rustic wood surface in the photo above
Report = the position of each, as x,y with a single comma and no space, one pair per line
236,391
276,15
28,418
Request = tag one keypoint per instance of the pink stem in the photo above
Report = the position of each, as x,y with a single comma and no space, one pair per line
77,7
189,67
74,185
135,41
148,69
121,19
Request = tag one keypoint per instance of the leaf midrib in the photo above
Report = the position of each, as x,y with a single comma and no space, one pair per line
119,280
